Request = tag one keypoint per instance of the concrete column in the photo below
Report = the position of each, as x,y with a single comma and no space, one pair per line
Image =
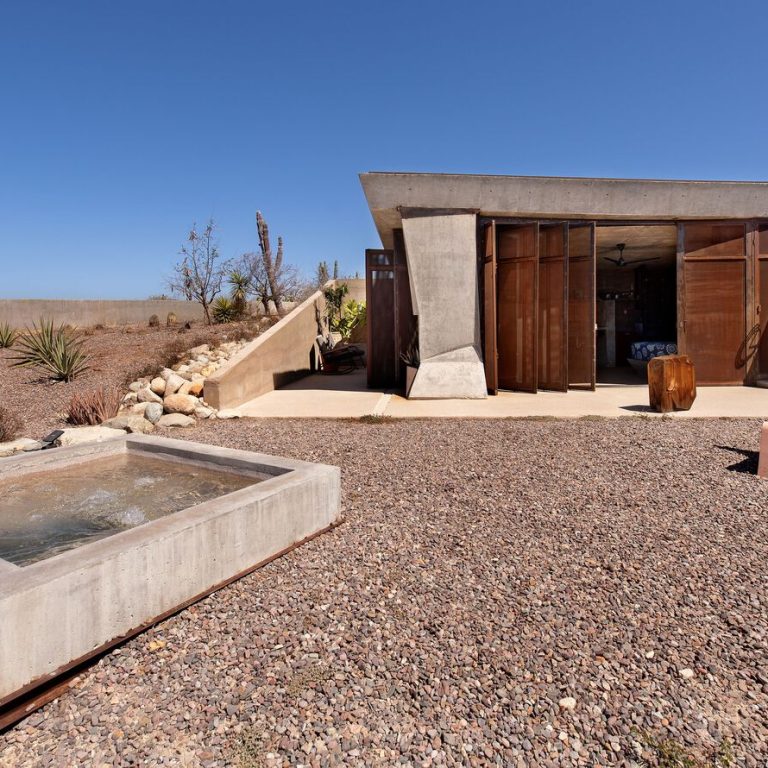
441,250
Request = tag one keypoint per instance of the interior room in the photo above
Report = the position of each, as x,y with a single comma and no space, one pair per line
636,299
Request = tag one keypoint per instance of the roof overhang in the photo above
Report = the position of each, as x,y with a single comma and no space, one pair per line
392,195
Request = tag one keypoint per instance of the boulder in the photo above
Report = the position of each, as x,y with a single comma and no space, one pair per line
180,404
131,397
166,373
157,385
175,420
228,413
146,395
192,387
209,369
135,386
201,350
17,446
130,422
204,412
77,435
153,412
173,383
140,408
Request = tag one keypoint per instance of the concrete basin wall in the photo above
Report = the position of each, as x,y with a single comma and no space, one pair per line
62,610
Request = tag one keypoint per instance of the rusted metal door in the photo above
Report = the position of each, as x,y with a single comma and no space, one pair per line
553,307
517,288
489,308
582,302
713,284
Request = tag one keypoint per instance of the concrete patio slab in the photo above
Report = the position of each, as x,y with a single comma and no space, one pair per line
346,397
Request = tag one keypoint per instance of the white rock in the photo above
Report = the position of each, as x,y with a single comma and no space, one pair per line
173,383
202,359
153,412
140,408
686,673
649,654
17,446
130,398
201,350
183,368
175,420
131,422
135,386
567,703
77,435
146,395
227,413
157,385
165,373
203,412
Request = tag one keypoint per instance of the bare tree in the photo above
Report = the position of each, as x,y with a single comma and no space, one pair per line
200,274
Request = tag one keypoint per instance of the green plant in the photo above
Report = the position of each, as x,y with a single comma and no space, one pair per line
239,284
353,315
375,418
410,355
94,407
668,753
334,299
8,336
10,425
59,351
224,310
154,321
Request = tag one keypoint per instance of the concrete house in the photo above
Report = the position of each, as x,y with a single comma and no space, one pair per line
540,283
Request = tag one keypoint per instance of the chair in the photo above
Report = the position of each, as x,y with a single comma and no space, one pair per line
341,359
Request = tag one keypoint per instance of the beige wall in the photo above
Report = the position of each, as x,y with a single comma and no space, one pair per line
19,313
284,353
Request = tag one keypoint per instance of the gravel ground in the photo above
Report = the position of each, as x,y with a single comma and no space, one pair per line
486,570
116,353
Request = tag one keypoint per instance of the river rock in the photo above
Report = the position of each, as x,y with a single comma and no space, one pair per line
192,387
180,404
140,408
204,412
157,385
130,422
201,350
77,435
153,412
228,413
173,384
146,395
175,420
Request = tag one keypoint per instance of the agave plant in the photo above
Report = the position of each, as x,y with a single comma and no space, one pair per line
8,336
224,310
59,351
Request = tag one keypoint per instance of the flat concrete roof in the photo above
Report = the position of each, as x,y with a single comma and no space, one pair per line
559,197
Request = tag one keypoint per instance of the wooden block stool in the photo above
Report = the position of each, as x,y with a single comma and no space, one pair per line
671,383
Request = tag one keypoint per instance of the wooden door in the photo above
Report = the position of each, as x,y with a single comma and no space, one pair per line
380,318
582,302
517,290
761,309
489,308
713,286
553,307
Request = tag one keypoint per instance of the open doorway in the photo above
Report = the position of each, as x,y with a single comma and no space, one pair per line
636,284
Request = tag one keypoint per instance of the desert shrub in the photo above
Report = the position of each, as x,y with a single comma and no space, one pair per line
245,331
225,310
94,407
154,321
58,351
8,336
352,315
10,425
171,319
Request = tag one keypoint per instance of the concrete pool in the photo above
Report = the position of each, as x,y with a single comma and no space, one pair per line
101,540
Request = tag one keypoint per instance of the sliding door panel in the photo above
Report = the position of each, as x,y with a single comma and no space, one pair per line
581,305
553,308
517,286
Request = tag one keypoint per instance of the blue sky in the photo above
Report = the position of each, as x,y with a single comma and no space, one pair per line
122,123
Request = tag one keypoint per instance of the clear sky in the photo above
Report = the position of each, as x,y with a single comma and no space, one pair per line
122,123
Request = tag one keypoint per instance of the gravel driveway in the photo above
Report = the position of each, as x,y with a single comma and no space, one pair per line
487,571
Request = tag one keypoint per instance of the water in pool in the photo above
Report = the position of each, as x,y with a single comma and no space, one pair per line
45,513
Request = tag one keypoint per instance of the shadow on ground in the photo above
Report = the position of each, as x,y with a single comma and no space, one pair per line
748,465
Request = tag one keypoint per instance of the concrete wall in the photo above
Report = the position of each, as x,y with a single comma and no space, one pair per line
19,313
281,355
442,264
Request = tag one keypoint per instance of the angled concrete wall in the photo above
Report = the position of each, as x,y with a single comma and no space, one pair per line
283,354
442,264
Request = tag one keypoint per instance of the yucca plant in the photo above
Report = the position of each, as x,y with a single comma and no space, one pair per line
239,284
224,310
8,336
94,407
59,351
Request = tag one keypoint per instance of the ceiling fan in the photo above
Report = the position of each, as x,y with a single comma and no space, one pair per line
622,262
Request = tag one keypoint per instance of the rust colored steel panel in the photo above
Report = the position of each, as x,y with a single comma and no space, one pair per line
405,321
553,308
763,303
715,319
489,309
581,305
517,279
671,383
